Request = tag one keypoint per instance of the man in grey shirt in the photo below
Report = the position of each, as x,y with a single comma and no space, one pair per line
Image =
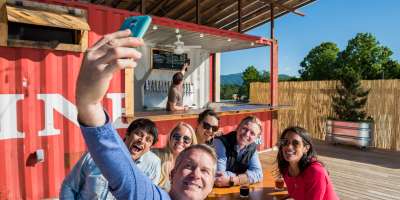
86,181
175,93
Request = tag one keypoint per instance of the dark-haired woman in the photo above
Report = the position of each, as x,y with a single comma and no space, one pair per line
304,175
207,128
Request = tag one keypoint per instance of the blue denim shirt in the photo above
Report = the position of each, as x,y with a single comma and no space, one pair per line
125,180
85,181
254,172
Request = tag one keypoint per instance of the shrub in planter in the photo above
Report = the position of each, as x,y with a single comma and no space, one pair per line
350,123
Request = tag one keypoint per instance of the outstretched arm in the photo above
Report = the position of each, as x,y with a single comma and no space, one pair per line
110,54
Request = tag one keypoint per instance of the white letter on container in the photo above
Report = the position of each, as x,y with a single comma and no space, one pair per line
116,111
63,106
8,116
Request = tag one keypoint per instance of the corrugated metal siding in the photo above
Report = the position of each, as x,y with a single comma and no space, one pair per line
34,74
31,73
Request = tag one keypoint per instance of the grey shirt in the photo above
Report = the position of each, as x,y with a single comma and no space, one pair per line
175,96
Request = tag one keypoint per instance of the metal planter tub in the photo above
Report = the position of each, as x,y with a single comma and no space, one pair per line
355,133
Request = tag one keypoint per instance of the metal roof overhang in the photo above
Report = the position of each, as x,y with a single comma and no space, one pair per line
211,39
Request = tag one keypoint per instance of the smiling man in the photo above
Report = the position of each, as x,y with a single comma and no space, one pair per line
86,181
238,161
192,177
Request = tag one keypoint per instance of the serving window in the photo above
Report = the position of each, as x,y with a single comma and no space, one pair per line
39,25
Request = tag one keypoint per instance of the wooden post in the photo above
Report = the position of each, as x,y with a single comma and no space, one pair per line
129,93
3,23
274,90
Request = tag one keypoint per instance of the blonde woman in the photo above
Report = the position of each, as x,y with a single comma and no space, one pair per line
181,137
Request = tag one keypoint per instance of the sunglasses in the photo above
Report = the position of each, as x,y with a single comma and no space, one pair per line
286,142
207,126
186,139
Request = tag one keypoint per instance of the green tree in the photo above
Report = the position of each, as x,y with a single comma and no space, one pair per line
251,74
391,70
227,91
319,64
366,56
349,101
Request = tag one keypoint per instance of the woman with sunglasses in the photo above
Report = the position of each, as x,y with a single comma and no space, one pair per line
304,175
238,161
181,137
208,125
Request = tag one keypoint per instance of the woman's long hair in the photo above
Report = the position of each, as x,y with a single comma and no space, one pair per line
306,160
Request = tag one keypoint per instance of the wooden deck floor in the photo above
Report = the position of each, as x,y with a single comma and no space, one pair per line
357,174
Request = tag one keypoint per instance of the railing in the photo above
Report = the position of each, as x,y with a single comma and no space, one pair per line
311,102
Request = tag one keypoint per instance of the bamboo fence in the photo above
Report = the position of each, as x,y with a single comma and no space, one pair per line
311,101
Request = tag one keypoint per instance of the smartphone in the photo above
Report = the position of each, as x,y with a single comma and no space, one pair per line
137,24
187,61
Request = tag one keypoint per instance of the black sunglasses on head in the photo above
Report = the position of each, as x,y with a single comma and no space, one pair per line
207,126
186,139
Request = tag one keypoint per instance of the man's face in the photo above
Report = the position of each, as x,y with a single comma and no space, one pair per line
138,143
193,178
207,128
247,133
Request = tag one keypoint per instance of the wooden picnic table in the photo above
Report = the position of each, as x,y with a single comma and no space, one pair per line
264,190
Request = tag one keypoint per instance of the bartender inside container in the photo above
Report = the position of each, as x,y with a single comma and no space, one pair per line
175,93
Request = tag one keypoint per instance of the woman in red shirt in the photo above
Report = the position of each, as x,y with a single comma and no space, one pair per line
305,176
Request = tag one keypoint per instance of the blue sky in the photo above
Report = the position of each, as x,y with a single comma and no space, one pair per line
326,20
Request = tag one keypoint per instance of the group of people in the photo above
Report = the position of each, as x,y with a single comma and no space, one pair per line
192,162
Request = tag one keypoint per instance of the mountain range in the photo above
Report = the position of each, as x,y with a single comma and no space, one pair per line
236,79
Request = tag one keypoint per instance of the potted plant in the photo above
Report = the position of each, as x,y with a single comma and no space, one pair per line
350,124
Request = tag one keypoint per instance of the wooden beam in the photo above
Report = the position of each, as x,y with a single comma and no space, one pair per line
255,16
290,9
232,19
231,15
254,13
198,20
132,5
207,7
239,16
282,6
265,17
223,9
157,7
272,20
143,7
179,5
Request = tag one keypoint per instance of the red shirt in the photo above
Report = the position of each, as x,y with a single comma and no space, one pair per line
312,184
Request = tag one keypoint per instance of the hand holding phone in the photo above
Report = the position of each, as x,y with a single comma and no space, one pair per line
137,24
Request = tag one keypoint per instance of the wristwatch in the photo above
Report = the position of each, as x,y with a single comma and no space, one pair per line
231,182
